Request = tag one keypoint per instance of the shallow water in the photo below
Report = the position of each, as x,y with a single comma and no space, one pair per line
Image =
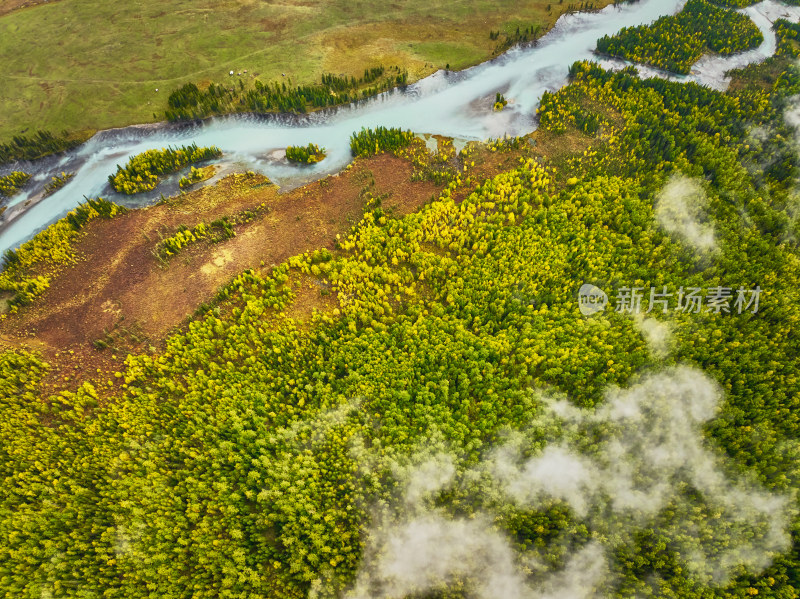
457,105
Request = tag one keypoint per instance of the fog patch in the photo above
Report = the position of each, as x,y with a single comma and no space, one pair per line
122,541
415,548
581,576
557,473
651,459
433,552
657,334
791,115
681,210
639,461
433,475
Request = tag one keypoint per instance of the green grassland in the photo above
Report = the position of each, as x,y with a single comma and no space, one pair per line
85,65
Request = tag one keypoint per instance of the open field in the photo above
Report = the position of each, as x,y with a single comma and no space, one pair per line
127,285
86,64
127,279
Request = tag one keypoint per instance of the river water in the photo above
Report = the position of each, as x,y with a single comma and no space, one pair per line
457,105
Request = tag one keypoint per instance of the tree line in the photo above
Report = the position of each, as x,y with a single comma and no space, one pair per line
368,142
41,143
190,102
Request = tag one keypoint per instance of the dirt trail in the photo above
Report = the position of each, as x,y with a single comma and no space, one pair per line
7,6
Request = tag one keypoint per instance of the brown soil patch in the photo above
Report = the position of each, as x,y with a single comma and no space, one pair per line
309,294
552,146
119,293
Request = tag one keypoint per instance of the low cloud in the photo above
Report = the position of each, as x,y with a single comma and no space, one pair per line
431,476
433,552
652,457
656,333
640,461
680,209
556,473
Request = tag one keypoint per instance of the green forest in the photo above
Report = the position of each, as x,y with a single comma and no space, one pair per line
253,454
449,423
738,3
369,142
141,173
788,38
42,143
676,43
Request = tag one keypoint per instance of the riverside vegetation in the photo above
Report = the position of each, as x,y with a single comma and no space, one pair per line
369,142
190,102
309,154
196,175
39,144
27,270
58,182
11,184
141,173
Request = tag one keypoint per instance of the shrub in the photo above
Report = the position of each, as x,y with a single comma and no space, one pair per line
12,183
306,154
58,182
142,171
